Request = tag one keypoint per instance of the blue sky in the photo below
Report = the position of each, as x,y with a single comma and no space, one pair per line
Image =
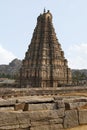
18,19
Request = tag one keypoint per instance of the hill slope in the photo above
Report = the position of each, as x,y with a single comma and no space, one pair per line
12,68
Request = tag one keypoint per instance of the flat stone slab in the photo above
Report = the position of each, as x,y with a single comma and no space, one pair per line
48,127
40,120
13,120
7,102
46,115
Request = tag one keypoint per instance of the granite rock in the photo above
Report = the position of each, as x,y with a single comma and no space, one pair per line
82,116
71,119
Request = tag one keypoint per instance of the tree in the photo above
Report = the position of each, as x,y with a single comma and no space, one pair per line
78,77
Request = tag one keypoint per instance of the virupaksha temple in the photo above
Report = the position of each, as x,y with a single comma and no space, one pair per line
44,64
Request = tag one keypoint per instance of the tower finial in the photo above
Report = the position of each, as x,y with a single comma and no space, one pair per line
44,10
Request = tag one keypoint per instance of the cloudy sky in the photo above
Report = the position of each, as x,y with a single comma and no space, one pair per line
18,20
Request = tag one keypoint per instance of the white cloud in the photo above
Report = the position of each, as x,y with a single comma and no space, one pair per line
77,56
5,56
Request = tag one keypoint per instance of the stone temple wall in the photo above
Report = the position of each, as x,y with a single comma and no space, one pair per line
42,113
16,92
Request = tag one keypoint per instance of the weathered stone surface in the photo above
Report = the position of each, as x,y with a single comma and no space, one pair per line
36,99
47,122
8,120
71,119
19,106
8,102
73,105
48,127
15,128
11,120
25,92
43,106
45,115
40,115
23,119
22,129
59,104
82,116
7,108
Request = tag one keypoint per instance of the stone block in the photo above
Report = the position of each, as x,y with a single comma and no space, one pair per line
82,116
19,106
71,119
22,129
26,107
36,99
45,115
47,122
8,102
7,108
8,120
59,104
73,105
48,127
14,120
23,119
43,106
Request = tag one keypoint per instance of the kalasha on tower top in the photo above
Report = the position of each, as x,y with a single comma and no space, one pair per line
44,64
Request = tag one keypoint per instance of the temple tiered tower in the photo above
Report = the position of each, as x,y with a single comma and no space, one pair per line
44,64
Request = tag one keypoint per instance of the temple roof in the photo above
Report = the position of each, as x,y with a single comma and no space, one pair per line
44,60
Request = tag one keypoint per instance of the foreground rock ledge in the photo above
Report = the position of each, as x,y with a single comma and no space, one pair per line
42,113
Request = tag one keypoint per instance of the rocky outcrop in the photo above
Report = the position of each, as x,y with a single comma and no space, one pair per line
11,69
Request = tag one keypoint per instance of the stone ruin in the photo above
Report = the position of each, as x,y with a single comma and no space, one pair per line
42,112
42,109
40,104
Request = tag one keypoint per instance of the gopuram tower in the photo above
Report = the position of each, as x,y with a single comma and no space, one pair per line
44,64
